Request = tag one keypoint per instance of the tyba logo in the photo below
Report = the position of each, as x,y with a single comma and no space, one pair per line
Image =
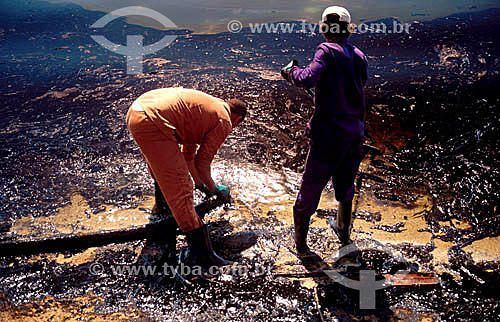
134,50
367,284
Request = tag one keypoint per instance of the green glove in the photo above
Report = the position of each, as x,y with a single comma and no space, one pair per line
222,191
285,71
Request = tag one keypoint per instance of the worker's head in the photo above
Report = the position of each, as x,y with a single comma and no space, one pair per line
336,23
238,111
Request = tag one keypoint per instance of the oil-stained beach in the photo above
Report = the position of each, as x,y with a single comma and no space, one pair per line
69,166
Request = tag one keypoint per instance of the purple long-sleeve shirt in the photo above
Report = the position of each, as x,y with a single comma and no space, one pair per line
338,72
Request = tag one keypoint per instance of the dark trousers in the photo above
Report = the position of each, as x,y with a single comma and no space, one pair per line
324,163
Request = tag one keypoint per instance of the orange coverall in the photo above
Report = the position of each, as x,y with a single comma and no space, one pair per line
163,119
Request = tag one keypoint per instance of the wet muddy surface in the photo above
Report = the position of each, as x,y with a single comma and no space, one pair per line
68,165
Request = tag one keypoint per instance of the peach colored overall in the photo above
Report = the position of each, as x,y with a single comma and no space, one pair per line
160,121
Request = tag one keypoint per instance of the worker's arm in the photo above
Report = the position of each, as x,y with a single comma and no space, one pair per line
189,151
309,76
208,149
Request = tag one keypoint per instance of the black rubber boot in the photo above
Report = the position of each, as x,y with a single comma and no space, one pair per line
200,251
160,209
301,224
166,235
342,226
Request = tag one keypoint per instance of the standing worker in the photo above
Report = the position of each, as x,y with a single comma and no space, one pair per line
161,120
338,72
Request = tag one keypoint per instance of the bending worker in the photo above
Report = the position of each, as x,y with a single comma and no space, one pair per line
338,72
160,121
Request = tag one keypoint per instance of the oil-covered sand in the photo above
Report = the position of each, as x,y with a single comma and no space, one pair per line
69,166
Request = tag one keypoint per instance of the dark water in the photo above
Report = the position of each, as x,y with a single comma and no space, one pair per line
64,100
212,16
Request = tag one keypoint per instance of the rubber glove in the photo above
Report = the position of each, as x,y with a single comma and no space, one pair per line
222,191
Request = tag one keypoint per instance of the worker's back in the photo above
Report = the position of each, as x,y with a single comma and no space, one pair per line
339,98
190,112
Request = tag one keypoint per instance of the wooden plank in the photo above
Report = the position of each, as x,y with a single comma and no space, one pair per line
411,279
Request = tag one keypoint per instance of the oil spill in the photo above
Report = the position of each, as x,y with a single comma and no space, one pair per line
50,309
68,160
77,218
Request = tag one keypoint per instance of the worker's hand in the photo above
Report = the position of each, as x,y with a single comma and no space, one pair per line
203,188
222,192
285,71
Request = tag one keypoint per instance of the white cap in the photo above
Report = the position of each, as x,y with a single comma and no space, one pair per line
340,11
